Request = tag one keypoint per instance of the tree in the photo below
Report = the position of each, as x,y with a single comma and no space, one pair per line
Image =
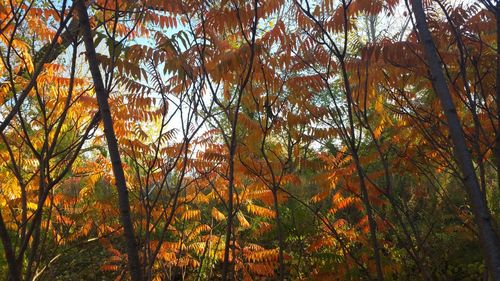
248,140
114,154
487,234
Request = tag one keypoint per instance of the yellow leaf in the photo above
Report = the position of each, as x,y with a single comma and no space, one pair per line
217,215
243,222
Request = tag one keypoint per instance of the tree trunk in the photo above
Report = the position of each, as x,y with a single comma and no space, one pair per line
372,224
10,256
497,92
359,169
102,99
488,237
281,242
227,264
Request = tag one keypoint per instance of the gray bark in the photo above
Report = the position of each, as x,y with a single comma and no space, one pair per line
107,120
488,237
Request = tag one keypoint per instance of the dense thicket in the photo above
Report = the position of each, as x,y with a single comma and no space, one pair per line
249,140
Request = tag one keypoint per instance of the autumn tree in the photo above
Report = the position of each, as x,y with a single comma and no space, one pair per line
249,140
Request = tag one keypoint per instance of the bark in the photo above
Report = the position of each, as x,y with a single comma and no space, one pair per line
102,99
488,237
37,223
281,242
351,139
226,267
372,224
14,273
497,92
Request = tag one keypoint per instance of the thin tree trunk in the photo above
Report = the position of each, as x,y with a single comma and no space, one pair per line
364,191
488,237
10,256
33,250
226,266
412,250
372,224
497,91
102,99
232,153
281,242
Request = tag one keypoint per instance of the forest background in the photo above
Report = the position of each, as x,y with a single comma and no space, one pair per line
249,140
